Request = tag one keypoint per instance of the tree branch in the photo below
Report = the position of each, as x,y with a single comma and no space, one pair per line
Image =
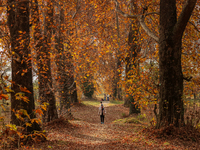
77,8
194,26
71,86
148,31
122,13
187,78
141,20
184,18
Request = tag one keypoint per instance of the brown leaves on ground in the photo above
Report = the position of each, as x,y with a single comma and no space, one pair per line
86,132
60,123
187,135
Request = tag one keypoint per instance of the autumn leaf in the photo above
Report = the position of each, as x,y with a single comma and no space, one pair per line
4,96
24,89
39,111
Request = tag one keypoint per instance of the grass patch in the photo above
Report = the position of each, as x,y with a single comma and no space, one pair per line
93,103
97,103
132,120
141,117
128,120
119,121
117,102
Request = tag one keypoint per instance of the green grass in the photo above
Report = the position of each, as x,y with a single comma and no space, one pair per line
97,103
93,103
117,102
128,120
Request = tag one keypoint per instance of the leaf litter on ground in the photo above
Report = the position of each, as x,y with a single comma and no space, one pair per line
84,131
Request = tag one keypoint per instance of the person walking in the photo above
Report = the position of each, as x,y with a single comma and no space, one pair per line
108,97
104,97
102,112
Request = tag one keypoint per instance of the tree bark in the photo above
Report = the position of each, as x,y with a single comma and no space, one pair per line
67,85
46,91
18,22
118,90
131,60
171,109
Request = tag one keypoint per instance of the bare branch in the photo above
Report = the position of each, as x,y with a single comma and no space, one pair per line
17,58
141,20
187,78
148,31
152,13
77,8
71,86
194,26
122,13
51,89
187,54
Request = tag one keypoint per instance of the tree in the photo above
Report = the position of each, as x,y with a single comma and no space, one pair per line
171,109
88,87
170,70
46,92
63,62
131,60
22,100
117,93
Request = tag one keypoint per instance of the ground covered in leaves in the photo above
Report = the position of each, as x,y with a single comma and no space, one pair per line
84,131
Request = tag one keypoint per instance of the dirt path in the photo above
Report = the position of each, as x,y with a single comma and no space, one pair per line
89,113
86,133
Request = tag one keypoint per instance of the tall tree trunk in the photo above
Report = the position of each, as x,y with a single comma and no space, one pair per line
67,89
117,88
46,91
18,22
171,109
131,60
38,43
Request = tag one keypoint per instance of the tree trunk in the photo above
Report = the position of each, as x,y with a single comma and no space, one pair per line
46,91
18,22
67,85
73,92
118,90
131,65
131,59
133,108
171,109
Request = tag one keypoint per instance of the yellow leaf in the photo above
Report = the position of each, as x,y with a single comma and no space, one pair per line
3,107
28,124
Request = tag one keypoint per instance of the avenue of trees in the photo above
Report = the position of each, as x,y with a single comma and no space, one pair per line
139,51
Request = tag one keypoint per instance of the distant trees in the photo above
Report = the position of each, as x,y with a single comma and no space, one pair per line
88,87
